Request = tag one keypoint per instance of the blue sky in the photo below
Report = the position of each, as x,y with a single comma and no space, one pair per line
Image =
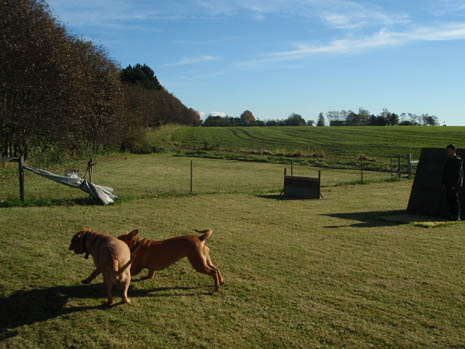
276,57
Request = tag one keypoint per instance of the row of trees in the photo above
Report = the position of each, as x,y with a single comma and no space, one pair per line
335,118
385,118
248,119
61,92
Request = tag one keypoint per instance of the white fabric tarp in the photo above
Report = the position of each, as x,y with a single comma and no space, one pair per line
99,192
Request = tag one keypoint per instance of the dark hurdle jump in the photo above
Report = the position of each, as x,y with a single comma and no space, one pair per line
302,187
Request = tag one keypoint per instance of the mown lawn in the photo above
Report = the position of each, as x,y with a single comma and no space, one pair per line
344,271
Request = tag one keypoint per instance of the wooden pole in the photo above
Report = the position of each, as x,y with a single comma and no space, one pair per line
21,178
319,184
398,166
361,170
90,169
292,167
409,158
192,174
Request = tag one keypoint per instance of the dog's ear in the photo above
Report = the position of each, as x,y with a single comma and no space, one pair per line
134,232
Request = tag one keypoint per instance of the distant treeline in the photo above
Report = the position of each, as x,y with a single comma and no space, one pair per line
335,118
60,93
247,119
385,118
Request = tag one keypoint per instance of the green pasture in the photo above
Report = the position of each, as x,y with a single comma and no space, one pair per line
337,143
351,270
148,176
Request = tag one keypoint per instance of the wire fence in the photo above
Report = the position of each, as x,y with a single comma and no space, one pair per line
165,175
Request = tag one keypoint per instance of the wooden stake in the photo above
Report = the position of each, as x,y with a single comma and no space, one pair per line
361,170
21,178
398,166
192,174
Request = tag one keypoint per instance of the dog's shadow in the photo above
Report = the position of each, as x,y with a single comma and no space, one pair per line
26,307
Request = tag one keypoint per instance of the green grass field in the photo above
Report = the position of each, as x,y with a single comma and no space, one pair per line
341,145
351,270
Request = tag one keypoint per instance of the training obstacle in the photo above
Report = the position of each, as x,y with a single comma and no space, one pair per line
302,187
427,196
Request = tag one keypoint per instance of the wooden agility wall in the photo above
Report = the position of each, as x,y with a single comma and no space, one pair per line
427,196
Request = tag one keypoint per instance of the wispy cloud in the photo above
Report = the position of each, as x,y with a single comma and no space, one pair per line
444,7
335,13
193,60
379,39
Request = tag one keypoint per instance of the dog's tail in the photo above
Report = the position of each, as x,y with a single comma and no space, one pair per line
133,256
205,234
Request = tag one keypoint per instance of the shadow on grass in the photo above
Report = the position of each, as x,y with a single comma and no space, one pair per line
388,218
48,202
31,306
282,197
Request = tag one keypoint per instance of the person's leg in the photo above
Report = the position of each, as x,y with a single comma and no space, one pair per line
453,203
459,208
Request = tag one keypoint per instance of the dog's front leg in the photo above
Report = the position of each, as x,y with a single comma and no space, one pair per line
92,276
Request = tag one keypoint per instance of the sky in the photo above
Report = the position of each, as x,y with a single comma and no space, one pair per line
277,57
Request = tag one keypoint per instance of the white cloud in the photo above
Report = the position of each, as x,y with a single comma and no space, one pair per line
193,60
380,39
218,113
204,115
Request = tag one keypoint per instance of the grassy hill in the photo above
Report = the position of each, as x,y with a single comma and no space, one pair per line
338,145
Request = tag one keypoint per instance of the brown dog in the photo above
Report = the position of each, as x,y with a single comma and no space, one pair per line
111,257
158,255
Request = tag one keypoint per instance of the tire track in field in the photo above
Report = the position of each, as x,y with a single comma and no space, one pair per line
248,137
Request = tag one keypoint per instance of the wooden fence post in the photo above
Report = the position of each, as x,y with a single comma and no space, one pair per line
21,178
292,167
192,174
319,184
409,158
390,158
398,166
361,170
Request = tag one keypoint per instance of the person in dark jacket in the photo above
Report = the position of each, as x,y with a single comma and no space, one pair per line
452,180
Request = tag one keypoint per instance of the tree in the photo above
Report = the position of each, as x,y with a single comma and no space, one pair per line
247,118
295,120
321,120
310,122
141,75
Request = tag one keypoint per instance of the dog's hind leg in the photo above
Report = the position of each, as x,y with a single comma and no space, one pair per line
125,292
92,276
108,282
210,264
150,273
200,265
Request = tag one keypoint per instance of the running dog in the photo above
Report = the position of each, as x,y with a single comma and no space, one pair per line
158,255
111,256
